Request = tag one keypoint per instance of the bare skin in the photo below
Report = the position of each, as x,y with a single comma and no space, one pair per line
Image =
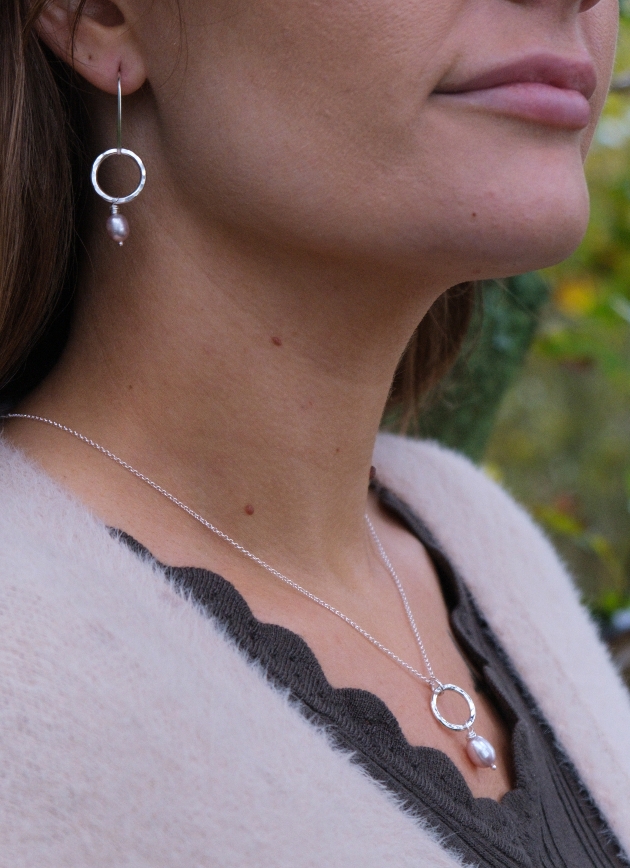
310,195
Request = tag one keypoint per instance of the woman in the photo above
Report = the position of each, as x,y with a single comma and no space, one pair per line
318,175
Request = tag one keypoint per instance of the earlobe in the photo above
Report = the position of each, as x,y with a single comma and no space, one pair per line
104,42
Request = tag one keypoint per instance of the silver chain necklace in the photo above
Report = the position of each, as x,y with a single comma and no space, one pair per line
479,750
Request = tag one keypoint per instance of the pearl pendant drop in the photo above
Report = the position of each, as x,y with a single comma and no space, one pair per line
117,226
480,752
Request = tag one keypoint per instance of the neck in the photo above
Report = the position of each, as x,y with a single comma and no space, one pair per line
239,377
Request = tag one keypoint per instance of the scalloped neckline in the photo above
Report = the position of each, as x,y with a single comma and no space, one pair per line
260,641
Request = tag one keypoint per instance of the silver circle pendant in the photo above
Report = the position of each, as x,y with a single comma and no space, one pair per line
124,152
458,727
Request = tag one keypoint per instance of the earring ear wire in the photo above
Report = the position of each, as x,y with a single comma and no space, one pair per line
117,224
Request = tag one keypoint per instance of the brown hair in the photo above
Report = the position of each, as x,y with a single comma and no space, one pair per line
42,172
430,354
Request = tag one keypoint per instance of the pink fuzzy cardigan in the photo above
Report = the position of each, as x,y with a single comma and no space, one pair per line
134,734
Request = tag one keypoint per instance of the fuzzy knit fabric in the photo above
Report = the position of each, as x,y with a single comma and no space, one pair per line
133,733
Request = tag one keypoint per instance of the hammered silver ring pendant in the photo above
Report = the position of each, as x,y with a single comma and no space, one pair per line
480,752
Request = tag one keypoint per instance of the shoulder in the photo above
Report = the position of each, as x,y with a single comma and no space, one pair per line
481,527
452,492
504,557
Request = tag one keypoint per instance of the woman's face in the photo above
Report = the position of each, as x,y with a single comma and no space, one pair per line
445,135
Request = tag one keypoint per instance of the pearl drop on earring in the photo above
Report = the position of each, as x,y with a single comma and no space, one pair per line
117,226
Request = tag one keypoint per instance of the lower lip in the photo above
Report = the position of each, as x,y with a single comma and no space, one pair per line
540,103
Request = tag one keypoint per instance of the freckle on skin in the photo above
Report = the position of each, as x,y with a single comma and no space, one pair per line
474,214
249,509
277,341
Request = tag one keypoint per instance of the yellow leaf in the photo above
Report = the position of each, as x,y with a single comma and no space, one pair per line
576,297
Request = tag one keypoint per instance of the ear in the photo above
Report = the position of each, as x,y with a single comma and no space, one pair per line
104,42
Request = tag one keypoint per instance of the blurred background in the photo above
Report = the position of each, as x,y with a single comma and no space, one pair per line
541,394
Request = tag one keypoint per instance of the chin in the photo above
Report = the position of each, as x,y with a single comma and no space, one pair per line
531,220
540,237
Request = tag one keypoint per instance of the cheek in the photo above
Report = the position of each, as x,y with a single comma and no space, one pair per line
279,90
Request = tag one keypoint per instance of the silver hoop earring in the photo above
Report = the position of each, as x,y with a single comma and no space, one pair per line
117,224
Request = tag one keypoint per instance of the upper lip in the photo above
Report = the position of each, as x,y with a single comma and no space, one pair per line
562,72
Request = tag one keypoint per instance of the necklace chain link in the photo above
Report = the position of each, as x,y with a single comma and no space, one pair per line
479,750
432,681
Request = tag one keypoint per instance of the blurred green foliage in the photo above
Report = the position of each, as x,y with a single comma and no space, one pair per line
561,442
462,412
